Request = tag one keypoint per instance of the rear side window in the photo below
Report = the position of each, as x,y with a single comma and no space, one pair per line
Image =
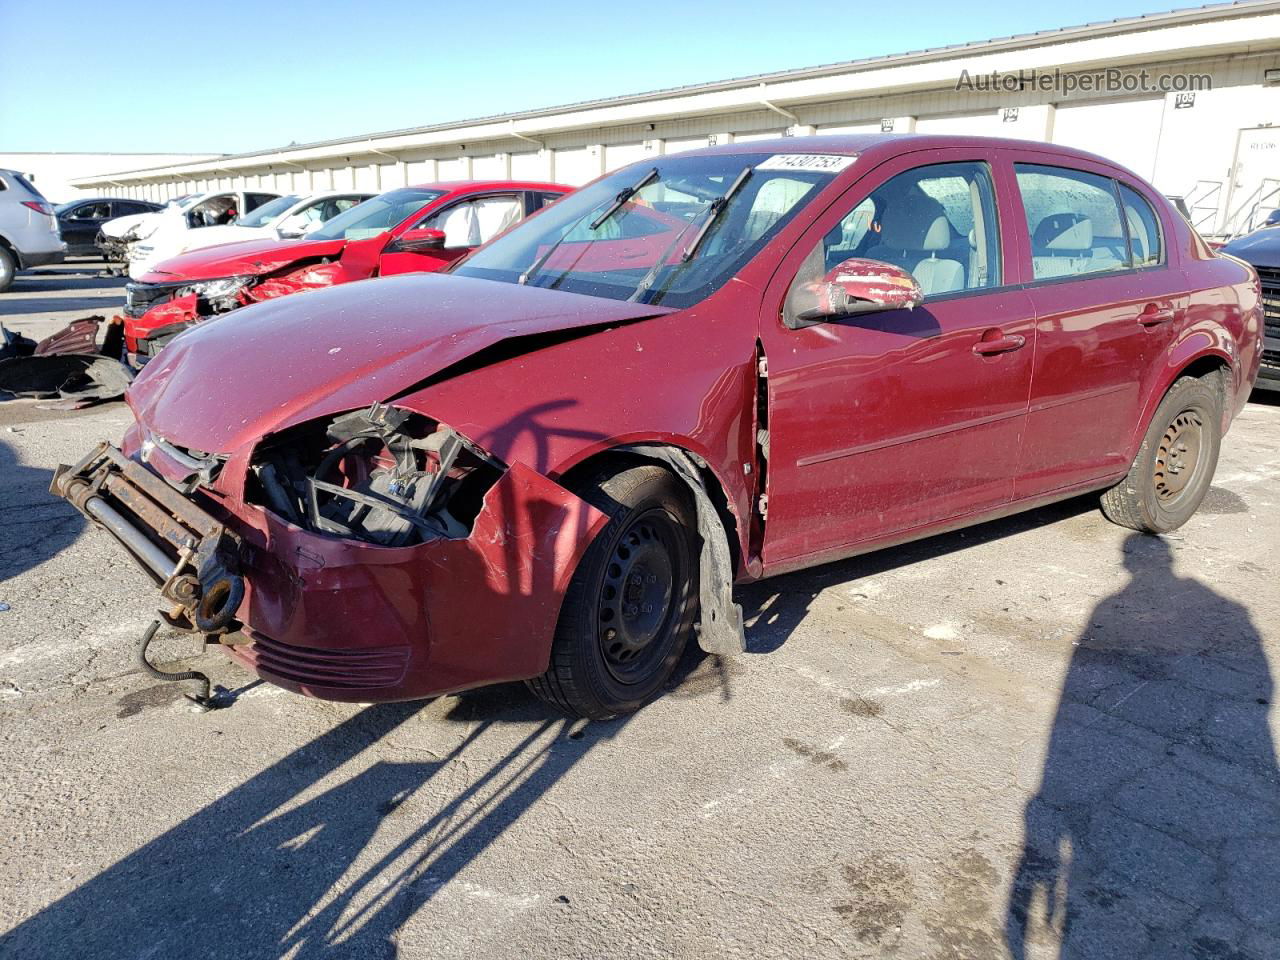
255,200
1144,229
24,182
1074,222
91,211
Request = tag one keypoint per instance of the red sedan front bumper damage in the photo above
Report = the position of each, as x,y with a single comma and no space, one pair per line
347,620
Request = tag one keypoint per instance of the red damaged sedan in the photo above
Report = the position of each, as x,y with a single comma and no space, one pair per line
413,229
553,461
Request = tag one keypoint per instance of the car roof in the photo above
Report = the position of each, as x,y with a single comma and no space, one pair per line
75,200
476,186
885,145
322,194
21,178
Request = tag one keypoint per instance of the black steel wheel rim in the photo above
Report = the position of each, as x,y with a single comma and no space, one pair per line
1178,456
637,607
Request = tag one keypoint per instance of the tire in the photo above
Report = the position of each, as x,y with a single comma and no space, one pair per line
8,268
629,610
1175,463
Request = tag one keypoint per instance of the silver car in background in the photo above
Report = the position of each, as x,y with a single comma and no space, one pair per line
29,234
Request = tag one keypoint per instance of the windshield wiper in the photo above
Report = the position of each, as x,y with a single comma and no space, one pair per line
623,196
711,215
538,264
714,211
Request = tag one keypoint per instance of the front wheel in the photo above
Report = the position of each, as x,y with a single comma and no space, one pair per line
1175,463
629,610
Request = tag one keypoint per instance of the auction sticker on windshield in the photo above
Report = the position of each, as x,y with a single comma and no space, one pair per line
817,162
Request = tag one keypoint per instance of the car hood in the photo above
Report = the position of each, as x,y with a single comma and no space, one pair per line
249,258
231,381
225,234
1260,248
122,225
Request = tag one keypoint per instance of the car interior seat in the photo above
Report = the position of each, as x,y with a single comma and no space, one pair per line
913,231
1062,245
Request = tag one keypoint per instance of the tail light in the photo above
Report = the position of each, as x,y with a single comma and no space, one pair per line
39,206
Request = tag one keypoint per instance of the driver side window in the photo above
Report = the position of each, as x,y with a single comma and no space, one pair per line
213,212
92,211
936,222
473,222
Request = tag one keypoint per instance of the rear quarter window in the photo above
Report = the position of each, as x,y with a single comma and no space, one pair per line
1145,246
1074,222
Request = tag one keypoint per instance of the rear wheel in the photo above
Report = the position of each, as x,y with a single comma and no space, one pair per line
8,267
629,609
1175,463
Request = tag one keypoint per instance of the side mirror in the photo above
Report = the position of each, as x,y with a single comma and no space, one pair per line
416,241
293,228
855,286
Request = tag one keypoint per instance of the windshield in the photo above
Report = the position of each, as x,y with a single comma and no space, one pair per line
377,215
267,212
674,241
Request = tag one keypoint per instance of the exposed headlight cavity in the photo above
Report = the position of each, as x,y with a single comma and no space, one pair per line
381,475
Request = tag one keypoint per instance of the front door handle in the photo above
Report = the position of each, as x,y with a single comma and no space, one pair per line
994,341
1154,316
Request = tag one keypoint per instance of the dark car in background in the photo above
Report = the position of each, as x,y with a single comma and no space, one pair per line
1261,250
80,220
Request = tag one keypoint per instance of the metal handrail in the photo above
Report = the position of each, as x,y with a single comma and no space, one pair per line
1201,212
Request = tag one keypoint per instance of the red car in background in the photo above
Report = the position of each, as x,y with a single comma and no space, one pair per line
409,230
553,461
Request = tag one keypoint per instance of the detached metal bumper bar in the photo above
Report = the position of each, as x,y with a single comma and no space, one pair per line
192,557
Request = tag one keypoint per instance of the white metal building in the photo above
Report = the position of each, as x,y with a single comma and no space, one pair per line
1205,126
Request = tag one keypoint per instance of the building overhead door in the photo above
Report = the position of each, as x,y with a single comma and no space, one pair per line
985,124
528,165
1126,133
620,154
576,166
492,167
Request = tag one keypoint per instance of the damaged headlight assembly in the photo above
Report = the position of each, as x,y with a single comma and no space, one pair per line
381,475
219,294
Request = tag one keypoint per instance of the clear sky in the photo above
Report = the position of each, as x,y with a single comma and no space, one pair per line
123,75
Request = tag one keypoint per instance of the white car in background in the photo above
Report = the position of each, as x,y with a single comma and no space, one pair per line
284,218
204,210
114,236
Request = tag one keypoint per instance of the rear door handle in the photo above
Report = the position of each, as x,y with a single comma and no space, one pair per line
1153,316
993,342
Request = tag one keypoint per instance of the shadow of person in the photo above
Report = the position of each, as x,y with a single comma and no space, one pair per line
1156,828
34,525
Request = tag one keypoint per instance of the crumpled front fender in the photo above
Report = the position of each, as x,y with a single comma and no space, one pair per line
350,621
315,276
